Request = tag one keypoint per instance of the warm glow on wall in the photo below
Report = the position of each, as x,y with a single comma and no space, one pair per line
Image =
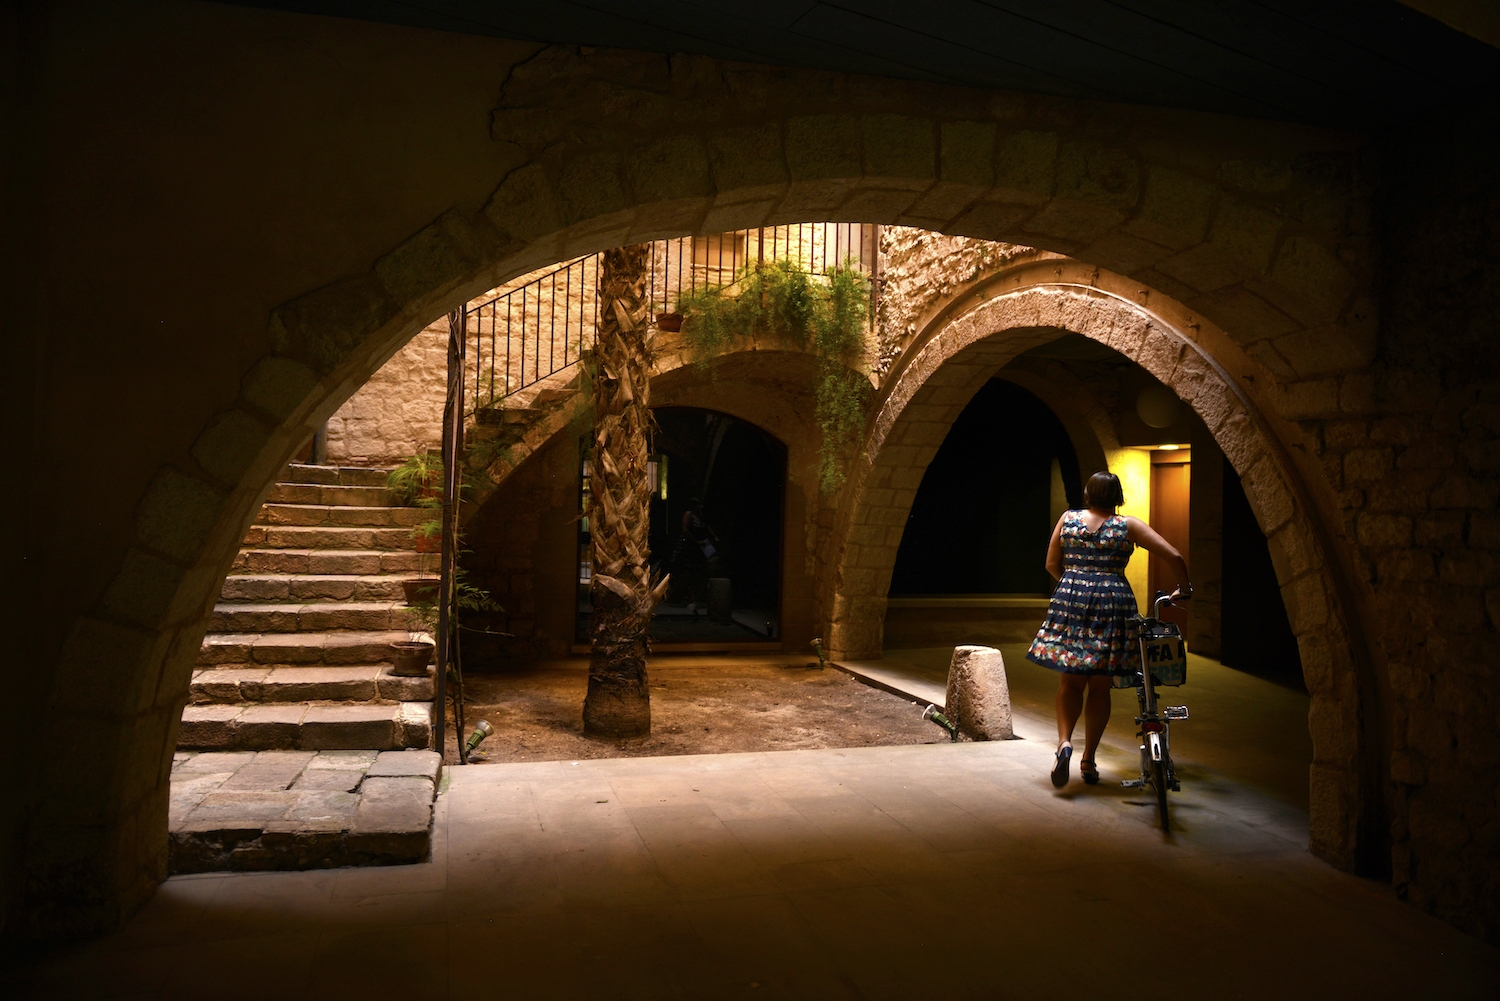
1133,467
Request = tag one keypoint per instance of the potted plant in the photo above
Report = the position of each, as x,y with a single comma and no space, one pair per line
420,476
428,537
418,482
411,656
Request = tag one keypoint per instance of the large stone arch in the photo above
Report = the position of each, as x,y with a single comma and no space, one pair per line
590,149
1031,305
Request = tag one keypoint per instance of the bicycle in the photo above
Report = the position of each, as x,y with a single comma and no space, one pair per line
1164,664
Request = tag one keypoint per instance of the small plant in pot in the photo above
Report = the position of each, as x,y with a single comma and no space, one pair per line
412,656
420,476
428,537
418,482
409,658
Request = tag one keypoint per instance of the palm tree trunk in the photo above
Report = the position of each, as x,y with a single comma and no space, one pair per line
618,703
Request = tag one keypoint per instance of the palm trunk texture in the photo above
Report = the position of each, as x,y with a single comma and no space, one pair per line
618,703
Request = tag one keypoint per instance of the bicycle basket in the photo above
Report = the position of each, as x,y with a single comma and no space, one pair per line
1166,654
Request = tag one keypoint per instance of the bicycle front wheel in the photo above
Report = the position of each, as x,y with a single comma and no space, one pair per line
1159,780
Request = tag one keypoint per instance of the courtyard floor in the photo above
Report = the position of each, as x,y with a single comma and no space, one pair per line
836,872
897,872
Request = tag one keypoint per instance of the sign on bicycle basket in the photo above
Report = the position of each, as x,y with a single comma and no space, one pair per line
1166,654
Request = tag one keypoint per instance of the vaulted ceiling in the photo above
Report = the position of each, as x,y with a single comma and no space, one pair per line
1353,63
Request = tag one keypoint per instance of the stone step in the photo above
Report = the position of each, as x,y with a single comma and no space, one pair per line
327,537
297,726
344,476
364,562
304,588
337,683
355,517
262,617
321,493
308,649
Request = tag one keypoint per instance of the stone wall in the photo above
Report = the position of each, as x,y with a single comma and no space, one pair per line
523,549
399,412
1413,447
920,269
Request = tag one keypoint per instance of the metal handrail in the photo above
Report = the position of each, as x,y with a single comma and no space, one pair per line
521,336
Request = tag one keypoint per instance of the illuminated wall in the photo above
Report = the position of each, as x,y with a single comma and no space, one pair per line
1133,467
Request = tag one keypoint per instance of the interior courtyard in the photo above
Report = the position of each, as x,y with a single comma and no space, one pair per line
358,283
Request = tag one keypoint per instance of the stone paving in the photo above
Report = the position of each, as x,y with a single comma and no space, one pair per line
249,810
866,874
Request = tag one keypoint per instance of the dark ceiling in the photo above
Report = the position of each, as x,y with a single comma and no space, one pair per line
1352,63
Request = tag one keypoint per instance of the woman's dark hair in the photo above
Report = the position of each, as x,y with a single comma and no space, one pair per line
1103,490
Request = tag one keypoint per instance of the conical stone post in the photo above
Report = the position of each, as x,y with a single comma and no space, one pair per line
978,695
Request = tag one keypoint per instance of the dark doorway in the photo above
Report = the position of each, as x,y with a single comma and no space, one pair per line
724,551
1257,637
985,510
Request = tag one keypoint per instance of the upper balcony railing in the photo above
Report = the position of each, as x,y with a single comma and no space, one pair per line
523,334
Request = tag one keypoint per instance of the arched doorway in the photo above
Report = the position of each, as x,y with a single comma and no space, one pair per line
716,528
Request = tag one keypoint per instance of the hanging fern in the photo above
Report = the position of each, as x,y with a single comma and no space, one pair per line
826,317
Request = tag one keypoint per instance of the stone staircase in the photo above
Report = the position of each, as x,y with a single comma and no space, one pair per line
297,655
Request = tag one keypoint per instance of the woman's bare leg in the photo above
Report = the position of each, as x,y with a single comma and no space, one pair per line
1096,717
1069,705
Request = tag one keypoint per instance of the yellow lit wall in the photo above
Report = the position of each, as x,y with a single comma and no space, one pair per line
1133,467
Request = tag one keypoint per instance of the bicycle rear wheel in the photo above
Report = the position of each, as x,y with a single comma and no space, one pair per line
1159,780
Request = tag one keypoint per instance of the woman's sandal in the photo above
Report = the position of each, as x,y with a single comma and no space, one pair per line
1060,769
1089,771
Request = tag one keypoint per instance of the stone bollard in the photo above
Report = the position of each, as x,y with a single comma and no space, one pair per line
978,697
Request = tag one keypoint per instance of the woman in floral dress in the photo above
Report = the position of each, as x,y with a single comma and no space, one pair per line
1085,636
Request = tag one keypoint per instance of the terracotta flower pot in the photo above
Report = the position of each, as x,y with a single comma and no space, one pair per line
420,590
671,322
410,658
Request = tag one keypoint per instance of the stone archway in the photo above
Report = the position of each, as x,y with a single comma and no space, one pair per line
764,384
965,348
590,150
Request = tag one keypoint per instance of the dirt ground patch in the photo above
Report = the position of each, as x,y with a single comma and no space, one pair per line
699,705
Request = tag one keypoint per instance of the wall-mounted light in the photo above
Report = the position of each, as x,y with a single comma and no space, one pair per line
1167,448
1158,407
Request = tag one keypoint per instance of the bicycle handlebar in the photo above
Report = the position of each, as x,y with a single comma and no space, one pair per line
1162,598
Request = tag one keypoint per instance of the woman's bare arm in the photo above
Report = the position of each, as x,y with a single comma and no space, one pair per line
1147,538
1054,551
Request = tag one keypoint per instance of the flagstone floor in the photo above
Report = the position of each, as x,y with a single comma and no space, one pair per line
888,872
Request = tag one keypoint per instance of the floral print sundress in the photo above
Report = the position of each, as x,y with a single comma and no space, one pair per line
1085,631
